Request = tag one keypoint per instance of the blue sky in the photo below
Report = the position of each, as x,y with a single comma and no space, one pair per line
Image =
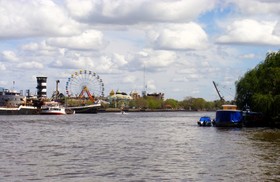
183,45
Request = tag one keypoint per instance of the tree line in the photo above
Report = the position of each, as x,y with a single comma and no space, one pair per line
189,104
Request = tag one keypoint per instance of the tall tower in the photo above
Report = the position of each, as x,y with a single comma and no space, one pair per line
144,92
41,87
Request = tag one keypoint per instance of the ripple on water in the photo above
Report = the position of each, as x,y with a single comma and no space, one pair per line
134,147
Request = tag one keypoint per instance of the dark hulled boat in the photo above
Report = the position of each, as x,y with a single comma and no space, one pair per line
229,116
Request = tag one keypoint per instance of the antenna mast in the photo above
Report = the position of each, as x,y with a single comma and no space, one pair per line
144,92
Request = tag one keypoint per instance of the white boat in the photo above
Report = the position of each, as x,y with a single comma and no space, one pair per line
52,108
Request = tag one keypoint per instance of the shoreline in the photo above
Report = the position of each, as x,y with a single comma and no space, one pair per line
145,110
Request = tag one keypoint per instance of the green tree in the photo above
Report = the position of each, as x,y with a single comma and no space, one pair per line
194,104
141,103
199,104
171,102
260,88
154,103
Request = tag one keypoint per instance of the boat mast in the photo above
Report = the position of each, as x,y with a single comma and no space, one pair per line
221,98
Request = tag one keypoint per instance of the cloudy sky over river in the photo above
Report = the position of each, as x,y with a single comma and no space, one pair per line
182,45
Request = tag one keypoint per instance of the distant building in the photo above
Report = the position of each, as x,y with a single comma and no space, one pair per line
134,94
159,96
119,99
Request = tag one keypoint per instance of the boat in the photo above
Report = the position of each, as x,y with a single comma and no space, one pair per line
86,109
204,121
229,116
52,108
14,103
21,110
11,98
253,119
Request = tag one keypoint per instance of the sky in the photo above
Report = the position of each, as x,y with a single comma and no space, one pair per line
175,47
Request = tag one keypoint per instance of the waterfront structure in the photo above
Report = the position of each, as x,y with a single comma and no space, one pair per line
134,94
84,91
41,87
119,99
11,98
159,96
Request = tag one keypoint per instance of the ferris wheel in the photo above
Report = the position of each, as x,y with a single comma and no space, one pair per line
85,83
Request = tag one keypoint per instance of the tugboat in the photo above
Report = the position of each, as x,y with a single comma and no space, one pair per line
204,121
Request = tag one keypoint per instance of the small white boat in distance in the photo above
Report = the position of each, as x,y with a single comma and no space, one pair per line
52,108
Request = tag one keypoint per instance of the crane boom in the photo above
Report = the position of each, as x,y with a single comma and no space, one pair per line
221,98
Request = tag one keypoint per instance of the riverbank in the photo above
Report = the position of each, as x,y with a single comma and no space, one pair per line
143,110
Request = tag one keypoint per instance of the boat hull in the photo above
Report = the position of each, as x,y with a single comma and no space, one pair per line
52,108
228,118
22,110
89,109
52,113
203,124
253,119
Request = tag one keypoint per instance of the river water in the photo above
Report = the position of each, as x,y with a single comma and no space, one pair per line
146,146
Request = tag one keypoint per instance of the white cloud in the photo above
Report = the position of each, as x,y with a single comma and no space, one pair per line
151,86
152,60
30,65
178,37
248,56
105,65
256,7
33,46
34,18
136,11
187,71
9,56
41,49
119,59
79,8
129,79
88,40
76,61
194,76
277,29
248,31
37,46
2,67
99,63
